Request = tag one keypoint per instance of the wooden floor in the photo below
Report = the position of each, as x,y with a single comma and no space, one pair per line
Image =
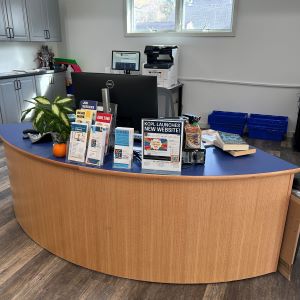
29,272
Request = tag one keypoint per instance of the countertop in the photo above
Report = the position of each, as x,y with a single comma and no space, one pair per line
218,163
14,74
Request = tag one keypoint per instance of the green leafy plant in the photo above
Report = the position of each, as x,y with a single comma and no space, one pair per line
51,116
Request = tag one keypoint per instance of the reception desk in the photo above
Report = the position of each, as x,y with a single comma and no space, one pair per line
220,222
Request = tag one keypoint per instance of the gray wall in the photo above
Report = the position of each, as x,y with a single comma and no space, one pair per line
255,71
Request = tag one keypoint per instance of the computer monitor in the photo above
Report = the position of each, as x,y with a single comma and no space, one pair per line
136,95
126,61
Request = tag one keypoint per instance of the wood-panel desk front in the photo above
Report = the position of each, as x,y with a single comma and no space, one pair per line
219,222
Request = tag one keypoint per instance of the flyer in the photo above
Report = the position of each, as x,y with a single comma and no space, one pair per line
162,145
78,141
105,119
123,152
96,146
85,116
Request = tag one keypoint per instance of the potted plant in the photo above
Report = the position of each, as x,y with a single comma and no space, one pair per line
51,116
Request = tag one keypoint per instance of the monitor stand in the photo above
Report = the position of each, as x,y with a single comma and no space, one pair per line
127,72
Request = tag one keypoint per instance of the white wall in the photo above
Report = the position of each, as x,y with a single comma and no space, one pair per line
20,55
265,50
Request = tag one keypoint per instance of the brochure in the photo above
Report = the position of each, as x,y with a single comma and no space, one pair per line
123,153
78,141
85,116
96,146
162,145
105,119
102,117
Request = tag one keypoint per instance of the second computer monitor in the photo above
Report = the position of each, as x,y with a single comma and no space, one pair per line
126,61
136,95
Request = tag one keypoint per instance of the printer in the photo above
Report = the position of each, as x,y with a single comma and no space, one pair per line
162,61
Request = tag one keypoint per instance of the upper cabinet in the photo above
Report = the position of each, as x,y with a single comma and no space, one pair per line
53,20
13,20
43,19
4,34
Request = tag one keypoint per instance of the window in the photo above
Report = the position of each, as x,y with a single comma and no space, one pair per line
195,17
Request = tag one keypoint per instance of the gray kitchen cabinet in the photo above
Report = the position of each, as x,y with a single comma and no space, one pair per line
59,85
53,20
43,85
13,20
43,19
4,34
13,92
27,92
9,101
51,85
17,20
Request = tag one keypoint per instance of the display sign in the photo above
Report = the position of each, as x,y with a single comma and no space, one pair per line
162,145
88,104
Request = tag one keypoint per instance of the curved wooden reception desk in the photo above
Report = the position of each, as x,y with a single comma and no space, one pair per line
219,222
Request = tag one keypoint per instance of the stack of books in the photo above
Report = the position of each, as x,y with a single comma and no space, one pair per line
233,144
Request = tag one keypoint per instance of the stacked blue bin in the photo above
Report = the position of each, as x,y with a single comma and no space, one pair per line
233,122
267,127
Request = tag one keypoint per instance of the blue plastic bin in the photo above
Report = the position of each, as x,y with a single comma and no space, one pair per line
267,127
233,122
272,122
260,132
228,128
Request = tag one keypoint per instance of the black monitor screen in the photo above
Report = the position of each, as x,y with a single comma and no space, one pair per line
126,60
136,95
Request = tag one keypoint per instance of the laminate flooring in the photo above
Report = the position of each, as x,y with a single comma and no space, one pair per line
29,272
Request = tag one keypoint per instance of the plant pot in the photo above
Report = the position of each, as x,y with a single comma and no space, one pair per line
59,149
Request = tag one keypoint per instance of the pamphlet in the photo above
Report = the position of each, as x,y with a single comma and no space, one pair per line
78,141
112,110
123,153
102,117
162,145
96,146
85,116
105,119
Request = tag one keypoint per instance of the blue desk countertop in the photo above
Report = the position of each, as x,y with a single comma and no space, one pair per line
218,163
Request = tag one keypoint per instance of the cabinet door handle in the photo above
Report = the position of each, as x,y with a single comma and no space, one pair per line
16,84
11,33
19,84
8,32
47,34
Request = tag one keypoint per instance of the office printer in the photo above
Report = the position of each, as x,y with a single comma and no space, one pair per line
162,61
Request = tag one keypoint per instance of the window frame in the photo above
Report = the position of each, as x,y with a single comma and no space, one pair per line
128,22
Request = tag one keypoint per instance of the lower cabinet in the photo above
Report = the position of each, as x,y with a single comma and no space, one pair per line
9,101
51,85
14,92
27,92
